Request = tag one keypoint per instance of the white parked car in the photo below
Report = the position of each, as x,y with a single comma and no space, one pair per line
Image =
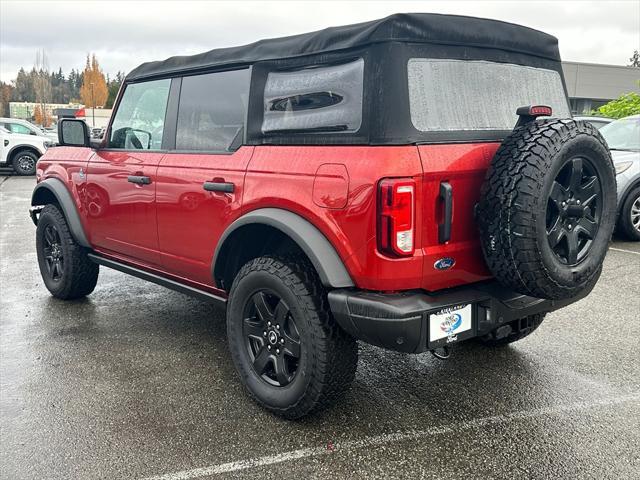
16,125
22,151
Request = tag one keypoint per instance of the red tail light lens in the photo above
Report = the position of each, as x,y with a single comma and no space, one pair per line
396,206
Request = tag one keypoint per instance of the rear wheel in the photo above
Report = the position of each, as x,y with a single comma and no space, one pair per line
24,162
67,271
629,220
290,354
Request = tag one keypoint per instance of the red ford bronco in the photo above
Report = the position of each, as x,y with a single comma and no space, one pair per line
388,181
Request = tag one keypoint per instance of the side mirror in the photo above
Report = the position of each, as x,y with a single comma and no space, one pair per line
73,133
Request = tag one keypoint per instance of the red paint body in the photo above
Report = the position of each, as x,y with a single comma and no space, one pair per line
172,226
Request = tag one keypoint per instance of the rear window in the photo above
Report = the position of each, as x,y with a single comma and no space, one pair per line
456,95
323,99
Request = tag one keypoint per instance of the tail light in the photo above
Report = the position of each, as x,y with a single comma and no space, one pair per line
396,207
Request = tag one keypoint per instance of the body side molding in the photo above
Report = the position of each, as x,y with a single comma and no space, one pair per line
68,206
312,241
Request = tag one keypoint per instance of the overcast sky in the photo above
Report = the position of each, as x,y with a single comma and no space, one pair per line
125,34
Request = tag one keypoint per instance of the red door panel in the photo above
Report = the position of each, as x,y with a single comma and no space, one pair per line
121,214
191,219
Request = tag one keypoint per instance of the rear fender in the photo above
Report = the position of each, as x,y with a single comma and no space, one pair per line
311,241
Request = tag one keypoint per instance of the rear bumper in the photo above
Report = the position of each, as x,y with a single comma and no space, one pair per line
401,321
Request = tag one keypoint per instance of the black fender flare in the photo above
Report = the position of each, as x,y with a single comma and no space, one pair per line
59,190
312,241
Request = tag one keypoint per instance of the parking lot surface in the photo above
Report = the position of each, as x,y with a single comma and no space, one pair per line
136,382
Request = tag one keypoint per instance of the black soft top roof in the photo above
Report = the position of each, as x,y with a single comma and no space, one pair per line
425,28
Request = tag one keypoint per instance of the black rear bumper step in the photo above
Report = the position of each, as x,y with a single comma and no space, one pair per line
400,321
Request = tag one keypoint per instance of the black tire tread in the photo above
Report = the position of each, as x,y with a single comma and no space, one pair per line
337,352
82,276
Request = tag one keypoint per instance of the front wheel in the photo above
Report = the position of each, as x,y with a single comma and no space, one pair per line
67,271
290,354
24,162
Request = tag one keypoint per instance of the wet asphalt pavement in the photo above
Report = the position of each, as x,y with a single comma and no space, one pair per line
136,382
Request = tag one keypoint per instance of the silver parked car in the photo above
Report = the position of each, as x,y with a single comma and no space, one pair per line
597,122
623,138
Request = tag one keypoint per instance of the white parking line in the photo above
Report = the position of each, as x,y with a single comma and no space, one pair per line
392,437
623,250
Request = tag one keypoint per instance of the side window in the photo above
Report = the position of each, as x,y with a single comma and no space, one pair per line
17,128
324,99
212,110
139,121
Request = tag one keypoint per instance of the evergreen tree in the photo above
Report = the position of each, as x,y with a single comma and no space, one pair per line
24,91
114,87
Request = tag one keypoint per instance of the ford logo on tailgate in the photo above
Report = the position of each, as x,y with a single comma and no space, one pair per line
445,263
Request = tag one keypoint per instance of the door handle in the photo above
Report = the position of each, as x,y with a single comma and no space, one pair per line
139,179
444,228
225,187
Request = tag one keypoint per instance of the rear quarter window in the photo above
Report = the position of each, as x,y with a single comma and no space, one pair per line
457,95
322,99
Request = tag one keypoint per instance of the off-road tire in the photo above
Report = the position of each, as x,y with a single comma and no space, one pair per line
625,224
328,355
513,211
513,331
19,166
78,274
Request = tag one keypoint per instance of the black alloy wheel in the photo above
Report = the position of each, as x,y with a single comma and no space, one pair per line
574,210
53,254
271,338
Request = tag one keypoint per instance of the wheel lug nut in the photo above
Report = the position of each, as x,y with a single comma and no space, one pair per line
264,334
282,340
277,350
268,324
268,347
564,204
277,327
569,227
578,202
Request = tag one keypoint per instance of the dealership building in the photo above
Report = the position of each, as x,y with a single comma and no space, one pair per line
591,85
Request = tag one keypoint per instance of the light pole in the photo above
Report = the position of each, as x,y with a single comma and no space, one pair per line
93,102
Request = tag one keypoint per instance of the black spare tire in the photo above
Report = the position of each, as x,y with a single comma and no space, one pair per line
547,208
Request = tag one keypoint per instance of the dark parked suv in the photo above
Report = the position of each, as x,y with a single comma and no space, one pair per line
389,181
